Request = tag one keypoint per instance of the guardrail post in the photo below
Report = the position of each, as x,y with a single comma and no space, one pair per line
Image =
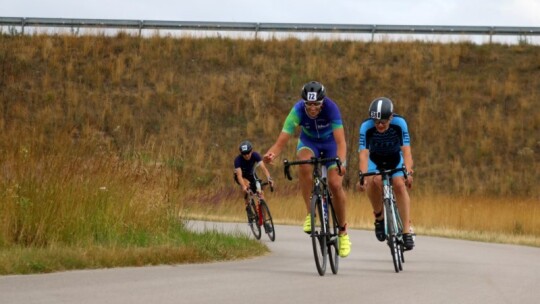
257,29
373,29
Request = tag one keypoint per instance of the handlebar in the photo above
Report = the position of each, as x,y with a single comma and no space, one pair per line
267,183
312,161
383,172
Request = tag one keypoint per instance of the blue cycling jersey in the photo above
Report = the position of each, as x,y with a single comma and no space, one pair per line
319,129
384,148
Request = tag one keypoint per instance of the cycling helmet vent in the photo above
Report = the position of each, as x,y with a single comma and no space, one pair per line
381,108
313,91
245,147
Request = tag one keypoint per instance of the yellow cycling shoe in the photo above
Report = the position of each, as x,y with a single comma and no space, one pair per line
344,245
307,224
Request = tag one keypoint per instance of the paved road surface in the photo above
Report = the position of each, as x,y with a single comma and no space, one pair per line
437,271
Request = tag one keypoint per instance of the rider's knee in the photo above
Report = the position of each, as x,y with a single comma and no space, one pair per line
399,186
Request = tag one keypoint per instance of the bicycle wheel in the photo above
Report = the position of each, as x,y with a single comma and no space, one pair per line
318,234
267,221
332,240
401,243
253,219
391,235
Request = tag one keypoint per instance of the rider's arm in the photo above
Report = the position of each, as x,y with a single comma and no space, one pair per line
291,122
363,157
339,136
274,151
405,143
407,158
265,170
241,179
363,149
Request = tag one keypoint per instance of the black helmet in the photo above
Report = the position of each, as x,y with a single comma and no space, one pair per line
313,91
245,147
381,108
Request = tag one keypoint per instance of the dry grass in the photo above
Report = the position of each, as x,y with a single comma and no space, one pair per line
105,139
501,220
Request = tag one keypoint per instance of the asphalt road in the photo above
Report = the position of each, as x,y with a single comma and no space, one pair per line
438,270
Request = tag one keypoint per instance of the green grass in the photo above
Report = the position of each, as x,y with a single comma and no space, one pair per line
180,248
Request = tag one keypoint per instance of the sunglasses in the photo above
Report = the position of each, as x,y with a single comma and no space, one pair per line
312,103
381,121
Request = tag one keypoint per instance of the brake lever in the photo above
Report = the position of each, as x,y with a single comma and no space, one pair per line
286,169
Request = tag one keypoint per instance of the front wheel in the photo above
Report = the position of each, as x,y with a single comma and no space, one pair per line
253,219
391,229
333,243
396,253
318,234
267,221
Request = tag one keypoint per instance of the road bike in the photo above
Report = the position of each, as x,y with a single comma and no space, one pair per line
258,212
393,226
324,222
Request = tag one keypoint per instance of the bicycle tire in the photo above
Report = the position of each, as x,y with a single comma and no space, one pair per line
391,235
267,221
332,240
318,235
401,243
253,219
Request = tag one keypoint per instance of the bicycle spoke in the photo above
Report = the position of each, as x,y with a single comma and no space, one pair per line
318,235
268,223
253,219
333,244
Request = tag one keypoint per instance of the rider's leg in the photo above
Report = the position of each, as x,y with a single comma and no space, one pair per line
374,193
403,201
246,196
335,182
305,178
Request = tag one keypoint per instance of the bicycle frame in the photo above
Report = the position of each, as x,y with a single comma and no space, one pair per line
260,211
324,232
392,220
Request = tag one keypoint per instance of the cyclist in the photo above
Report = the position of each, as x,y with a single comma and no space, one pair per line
321,131
245,165
385,144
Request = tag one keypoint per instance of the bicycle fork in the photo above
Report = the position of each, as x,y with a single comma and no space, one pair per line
388,201
259,211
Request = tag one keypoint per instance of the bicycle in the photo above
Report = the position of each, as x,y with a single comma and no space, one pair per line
325,230
258,212
393,226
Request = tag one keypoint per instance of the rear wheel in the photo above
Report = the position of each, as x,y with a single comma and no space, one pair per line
253,219
333,243
318,235
267,221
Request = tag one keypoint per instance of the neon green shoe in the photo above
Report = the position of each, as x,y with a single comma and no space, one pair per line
344,245
307,224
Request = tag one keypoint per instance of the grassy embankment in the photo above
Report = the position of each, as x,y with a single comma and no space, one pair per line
107,141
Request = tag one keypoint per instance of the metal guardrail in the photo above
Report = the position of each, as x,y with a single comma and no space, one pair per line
268,27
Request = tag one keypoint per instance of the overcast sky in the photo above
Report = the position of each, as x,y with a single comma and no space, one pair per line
401,12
